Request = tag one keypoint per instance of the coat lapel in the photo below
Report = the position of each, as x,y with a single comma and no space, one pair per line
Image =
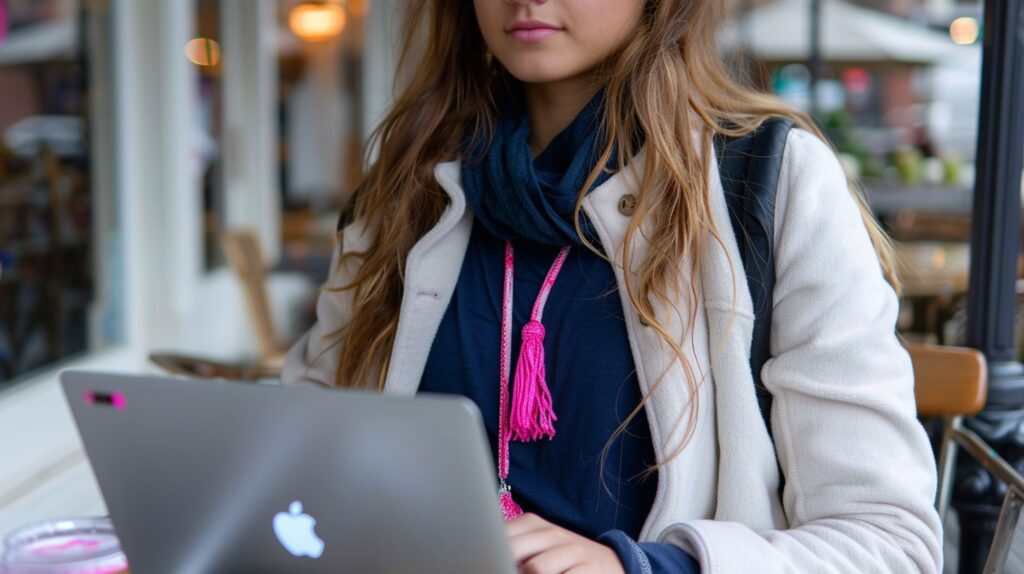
686,482
431,272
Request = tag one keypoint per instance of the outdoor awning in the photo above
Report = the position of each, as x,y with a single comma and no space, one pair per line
55,40
780,32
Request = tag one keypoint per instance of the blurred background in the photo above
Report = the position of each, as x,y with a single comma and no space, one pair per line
171,173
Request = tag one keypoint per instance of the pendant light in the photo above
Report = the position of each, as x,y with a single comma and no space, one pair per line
317,21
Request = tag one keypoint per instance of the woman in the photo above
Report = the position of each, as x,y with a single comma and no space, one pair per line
544,231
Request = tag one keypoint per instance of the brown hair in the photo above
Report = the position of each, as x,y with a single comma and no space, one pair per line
665,82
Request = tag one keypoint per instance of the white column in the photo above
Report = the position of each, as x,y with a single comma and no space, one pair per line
317,121
940,6
107,311
383,29
158,169
180,201
250,116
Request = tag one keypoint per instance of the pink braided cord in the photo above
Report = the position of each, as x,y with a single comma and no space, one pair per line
532,414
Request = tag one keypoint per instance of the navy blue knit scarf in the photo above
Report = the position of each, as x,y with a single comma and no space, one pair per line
518,197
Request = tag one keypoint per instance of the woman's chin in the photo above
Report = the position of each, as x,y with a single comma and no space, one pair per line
534,71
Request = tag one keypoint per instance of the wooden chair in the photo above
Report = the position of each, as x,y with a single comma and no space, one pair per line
951,383
196,367
242,249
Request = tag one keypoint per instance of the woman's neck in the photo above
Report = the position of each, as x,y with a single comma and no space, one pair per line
552,106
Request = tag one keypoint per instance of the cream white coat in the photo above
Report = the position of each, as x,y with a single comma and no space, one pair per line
860,474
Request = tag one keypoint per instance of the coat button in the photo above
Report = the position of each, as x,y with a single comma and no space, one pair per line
627,204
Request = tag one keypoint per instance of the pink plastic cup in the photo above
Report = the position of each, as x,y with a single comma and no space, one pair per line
64,546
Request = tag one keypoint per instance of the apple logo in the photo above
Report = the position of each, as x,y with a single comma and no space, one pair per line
295,531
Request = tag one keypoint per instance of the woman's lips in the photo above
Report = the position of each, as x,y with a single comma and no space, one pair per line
533,34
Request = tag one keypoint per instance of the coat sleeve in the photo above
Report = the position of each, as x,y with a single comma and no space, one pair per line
313,358
860,473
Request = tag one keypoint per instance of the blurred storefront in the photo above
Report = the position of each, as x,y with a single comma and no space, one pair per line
135,134
896,86
54,301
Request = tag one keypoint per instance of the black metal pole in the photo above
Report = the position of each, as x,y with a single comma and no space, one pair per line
991,300
814,62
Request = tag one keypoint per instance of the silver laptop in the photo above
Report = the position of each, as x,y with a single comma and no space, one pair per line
208,476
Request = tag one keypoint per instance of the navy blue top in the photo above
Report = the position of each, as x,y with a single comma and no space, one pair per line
593,384
590,369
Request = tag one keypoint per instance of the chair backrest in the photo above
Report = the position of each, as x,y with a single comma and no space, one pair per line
948,381
201,368
242,249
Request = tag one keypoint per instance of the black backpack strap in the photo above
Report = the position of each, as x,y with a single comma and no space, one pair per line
749,167
348,212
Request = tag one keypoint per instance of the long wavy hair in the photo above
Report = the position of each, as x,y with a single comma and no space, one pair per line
666,81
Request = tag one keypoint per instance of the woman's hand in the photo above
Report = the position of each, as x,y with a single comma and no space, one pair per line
540,547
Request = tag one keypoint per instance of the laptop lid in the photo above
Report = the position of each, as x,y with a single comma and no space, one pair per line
204,476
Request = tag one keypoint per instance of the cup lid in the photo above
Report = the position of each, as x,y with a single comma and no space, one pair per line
81,545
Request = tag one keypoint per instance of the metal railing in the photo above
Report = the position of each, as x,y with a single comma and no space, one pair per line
955,434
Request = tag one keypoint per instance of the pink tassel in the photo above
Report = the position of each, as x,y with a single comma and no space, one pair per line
532,415
509,509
